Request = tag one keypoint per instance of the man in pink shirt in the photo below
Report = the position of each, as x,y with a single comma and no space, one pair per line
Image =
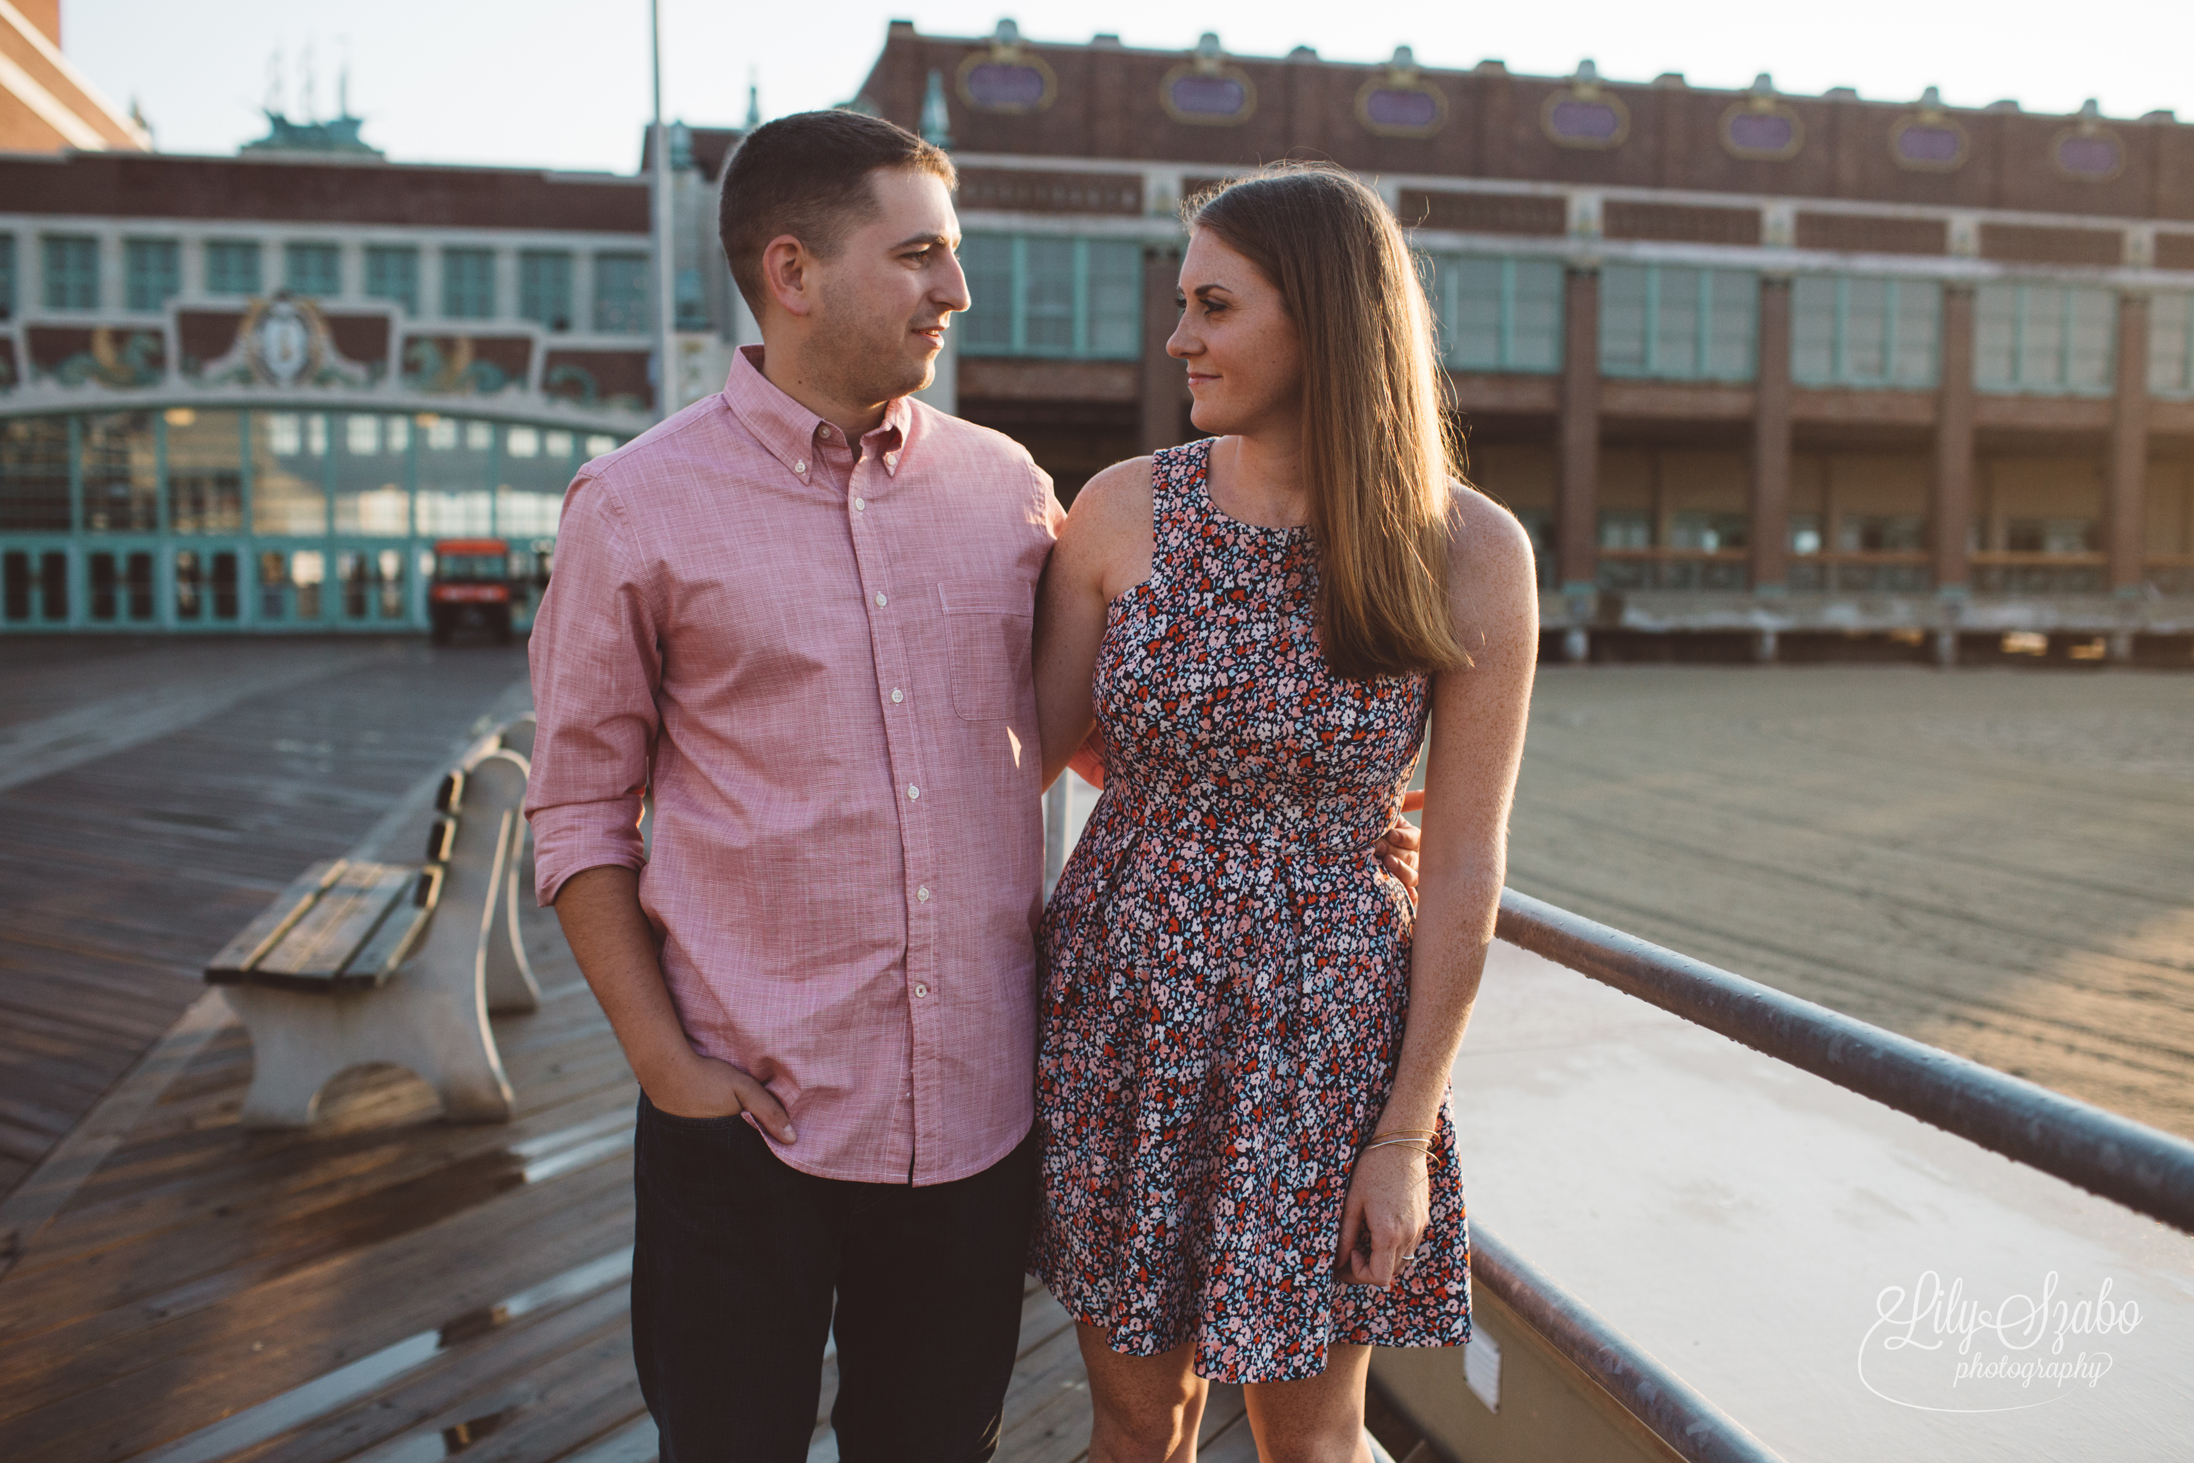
800,614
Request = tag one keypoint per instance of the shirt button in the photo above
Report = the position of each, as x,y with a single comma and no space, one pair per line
801,465
880,600
920,991
897,695
922,894
860,505
913,791
823,431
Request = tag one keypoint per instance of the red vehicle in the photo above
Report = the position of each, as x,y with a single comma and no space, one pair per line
473,588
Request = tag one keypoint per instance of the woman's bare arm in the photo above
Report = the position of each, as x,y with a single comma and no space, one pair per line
1104,548
1478,717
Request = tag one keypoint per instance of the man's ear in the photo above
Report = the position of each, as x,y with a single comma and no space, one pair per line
788,274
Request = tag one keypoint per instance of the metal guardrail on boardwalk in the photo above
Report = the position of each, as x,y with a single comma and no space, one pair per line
1677,1414
2127,1162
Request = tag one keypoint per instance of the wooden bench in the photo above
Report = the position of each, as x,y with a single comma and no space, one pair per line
360,961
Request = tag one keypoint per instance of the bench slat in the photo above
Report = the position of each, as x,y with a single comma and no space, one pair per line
393,938
233,965
318,946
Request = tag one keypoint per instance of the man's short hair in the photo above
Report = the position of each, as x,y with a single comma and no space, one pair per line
807,175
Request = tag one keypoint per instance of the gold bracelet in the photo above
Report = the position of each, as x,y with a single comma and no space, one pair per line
1406,1133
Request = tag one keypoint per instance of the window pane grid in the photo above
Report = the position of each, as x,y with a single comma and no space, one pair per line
621,294
2045,339
312,269
7,276
1678,323
2171,345
232,267
72,273
544,287
153,272
468,284
1497,314
392,273
1856,331
1052,297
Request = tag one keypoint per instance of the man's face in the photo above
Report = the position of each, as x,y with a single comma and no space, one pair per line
884,299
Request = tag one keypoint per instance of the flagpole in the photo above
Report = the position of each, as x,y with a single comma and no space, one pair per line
662,228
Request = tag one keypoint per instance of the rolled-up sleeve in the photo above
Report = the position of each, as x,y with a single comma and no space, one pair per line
596,665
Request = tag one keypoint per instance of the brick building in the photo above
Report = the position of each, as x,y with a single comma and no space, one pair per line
1744,362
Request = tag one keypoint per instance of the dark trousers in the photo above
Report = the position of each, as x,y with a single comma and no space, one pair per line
738,1259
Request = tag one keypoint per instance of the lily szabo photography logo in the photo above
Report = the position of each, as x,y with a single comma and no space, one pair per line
1938,1348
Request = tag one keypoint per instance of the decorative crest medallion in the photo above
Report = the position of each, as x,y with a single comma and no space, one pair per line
1009,77
1207,90
1762,127
1929,140
2087,150
1398,102
1585,113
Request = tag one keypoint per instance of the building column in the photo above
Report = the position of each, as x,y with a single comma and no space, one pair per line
1165,380
1952,509
2125,520
1770,527
1577,489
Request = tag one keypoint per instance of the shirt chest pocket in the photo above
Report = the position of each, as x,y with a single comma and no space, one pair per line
989,625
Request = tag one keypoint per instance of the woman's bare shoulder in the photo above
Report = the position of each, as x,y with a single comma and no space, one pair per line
1111,506
1493,572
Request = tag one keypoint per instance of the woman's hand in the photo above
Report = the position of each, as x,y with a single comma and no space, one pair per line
1389,1208
1398,846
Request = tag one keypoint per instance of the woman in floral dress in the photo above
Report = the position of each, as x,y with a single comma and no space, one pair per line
1250,1170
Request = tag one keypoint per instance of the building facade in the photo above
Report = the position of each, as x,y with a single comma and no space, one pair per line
1742,361
249,393
46,104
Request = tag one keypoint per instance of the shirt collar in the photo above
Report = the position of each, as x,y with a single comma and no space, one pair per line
787,429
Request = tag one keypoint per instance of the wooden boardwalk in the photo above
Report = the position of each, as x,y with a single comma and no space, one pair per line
1996,862
387,1287
155,794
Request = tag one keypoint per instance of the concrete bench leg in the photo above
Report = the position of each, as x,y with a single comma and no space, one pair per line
508,974
301,1041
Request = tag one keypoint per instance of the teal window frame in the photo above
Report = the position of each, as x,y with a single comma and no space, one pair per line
7,276
544,287
1900,338
392,274
621,305
2171,345
1033,296
71,271
313,269
1706,332
2026,320
1509,357
152,273
233,267
468,284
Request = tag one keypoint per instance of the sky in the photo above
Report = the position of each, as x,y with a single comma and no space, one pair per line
565,83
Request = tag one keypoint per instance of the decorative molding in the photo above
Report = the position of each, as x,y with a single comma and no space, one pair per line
1585,114
1762,127
1207,90
1929,140
1008,78
1398,102
2087,150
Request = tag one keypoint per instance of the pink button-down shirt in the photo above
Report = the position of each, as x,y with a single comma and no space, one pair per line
821,668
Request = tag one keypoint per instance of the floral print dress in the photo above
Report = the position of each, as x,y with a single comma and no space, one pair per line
1226,973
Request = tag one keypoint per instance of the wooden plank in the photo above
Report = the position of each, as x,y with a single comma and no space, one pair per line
396,936
320,944
252,943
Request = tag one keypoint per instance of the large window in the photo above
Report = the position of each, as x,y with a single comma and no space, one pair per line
544,287
372,477
232,267
7,276
34,474
289,472
152,272
621,294
72,272
1498,314
1847,331
1678,324
1040,295
313,269
118,459
392,273
2044,339
205,472
468,284
2171,345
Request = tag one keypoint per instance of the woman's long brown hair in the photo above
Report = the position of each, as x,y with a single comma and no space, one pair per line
1376,451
